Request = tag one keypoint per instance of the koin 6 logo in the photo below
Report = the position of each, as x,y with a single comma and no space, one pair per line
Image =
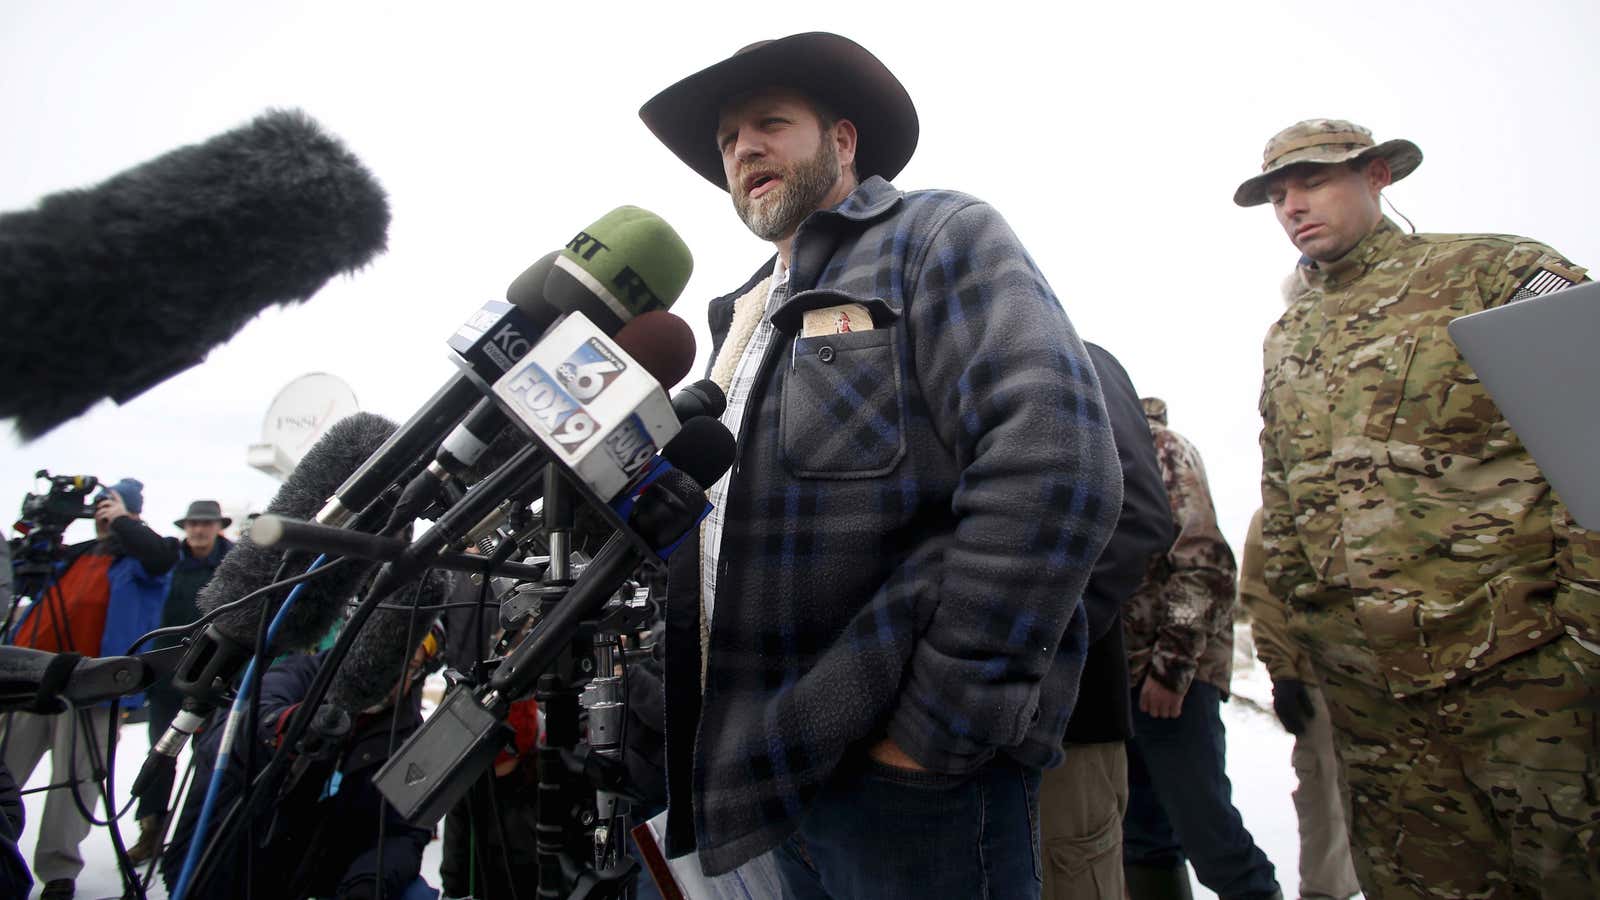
549,409
589,370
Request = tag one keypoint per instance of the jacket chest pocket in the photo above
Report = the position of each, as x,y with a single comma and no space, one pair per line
842,410
1427,396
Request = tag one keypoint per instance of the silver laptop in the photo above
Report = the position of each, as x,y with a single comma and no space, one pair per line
1539,358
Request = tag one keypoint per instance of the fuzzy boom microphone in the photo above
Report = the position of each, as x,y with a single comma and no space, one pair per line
218,652
384,645
250,566
110,290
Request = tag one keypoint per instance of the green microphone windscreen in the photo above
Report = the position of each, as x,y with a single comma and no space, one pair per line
631,260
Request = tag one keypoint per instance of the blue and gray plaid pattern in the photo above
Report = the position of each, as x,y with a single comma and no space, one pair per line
913,519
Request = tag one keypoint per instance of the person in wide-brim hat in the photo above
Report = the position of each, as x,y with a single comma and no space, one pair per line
834,70
878,301
1325,142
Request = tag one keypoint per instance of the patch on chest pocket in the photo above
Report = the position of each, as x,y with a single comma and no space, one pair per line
846,318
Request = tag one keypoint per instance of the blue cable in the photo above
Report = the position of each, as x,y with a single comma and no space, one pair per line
236,715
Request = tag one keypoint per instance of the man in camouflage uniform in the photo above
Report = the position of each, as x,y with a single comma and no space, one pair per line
1326,870
1180,659
1446,598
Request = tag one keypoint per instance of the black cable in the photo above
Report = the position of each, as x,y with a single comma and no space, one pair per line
475,866
221,834
400,693
206,619
431,607
301,720
72,713
258,658
491,786
254,794
258,792
130,872
171,820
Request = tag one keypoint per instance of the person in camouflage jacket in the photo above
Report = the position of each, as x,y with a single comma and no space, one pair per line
1179,628
1180,620
1443,593
1326,870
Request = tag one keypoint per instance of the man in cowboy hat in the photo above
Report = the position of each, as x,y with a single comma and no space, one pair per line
886,600
199,554
1445,597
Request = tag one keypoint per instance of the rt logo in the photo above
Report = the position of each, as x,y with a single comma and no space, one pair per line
590,370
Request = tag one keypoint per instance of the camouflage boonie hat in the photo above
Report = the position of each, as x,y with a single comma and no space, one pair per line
1324,142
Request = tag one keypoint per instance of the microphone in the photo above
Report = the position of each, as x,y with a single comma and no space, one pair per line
38,681
596,410
702,450
609,257
703,398
600,416
218,652
626,264
443,758
172,258
381,650
486,344
659,341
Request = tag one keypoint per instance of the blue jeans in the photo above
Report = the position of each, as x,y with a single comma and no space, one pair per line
876,832
1180,802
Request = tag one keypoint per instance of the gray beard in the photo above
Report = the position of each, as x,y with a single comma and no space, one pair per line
804,188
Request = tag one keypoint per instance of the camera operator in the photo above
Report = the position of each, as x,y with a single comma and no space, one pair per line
102,595
323,837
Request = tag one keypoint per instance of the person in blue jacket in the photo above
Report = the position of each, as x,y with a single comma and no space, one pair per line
104,594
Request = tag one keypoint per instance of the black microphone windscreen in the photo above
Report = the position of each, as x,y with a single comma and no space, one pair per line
381,650
526,293
703,448
250,566
149,270
703,398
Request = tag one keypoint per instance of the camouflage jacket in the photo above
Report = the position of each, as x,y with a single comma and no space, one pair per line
1179,623
1409,530
1269,616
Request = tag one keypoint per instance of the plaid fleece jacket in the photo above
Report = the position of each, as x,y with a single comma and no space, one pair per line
912,516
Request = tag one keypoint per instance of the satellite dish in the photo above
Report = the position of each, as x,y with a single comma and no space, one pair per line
301,413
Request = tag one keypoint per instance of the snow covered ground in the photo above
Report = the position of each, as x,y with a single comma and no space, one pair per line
1258,764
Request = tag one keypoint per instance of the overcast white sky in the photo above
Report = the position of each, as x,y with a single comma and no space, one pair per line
1111,137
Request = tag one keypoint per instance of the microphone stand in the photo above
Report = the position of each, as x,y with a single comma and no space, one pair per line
571,812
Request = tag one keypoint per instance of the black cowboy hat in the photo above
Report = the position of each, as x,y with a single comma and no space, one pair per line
835,70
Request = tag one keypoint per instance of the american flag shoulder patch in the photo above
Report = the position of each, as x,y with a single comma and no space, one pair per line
1546,279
